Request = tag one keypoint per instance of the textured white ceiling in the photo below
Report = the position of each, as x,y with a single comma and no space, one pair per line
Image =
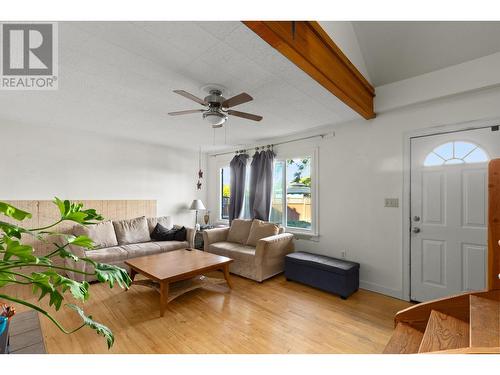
398,50
117,78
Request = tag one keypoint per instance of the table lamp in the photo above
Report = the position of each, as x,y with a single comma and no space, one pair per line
196,206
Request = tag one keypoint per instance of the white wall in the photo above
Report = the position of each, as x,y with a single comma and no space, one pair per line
362,165
40,163
469,76
344,36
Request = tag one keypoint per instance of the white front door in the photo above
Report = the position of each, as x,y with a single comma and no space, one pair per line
448,248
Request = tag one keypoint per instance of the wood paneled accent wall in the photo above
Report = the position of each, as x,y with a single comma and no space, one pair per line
494,224
46,212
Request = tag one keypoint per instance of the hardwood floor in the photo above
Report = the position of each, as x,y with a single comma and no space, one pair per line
276,316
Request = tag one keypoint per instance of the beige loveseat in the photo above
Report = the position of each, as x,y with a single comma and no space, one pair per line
257,247
117,241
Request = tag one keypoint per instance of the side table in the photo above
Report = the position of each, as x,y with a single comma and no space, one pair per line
198,237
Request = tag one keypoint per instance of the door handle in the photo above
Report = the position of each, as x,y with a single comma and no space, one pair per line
416,230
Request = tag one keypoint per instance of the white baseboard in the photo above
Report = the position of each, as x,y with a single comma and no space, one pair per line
396,293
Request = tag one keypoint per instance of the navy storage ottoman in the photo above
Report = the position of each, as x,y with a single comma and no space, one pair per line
330,274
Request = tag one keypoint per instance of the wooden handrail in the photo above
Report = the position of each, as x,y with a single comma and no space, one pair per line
494,224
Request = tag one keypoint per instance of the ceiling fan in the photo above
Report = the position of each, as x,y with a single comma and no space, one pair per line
217,107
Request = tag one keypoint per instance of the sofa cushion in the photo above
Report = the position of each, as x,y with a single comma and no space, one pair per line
239,253
261,229
160,233
141,249
239,231
172,245
132,231
165,221
103,234
108,255
340,266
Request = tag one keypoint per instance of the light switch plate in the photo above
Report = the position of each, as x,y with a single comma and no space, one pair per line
391,202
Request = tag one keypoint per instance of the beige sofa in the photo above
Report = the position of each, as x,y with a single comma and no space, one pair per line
117,241
258,248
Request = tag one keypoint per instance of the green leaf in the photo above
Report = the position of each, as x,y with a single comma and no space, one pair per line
13,212
49,281
42,283
74,212
56,299
82,241
6,278
44,261
12,230
15,249
63,253
108,273
101,329
61,206
79,290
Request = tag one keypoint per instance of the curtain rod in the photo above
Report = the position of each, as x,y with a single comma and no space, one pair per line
277,144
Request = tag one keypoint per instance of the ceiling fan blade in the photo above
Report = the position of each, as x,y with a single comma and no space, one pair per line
237,100
185,112
190,96
248,116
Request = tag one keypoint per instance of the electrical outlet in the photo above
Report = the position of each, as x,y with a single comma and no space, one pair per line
343,254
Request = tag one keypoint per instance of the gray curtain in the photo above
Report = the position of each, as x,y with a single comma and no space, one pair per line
261,184
238,168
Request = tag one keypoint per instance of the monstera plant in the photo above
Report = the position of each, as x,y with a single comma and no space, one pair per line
19,263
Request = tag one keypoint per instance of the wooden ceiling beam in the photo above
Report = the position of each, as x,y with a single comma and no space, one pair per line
310,48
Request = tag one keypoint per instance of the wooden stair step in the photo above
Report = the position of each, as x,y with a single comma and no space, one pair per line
404,340
474,350
485,319
444,332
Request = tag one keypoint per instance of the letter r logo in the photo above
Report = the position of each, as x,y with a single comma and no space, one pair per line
27,49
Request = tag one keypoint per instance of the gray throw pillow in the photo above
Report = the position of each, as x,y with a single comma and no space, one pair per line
132,231
103,234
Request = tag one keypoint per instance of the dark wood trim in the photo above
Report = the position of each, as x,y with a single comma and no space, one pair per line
493,224
309,47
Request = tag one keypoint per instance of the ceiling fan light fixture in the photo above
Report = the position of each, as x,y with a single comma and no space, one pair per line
217,108
215,118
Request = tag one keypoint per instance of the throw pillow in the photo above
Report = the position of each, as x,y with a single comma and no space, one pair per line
132,231
103,234
160,233
239,231
261,229
180,234
166,221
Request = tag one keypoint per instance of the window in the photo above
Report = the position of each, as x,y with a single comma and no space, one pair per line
292,194
292,199
225,178
457,152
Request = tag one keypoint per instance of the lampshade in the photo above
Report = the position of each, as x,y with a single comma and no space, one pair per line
197,205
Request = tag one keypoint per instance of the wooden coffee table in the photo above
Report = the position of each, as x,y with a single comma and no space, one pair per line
178,271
